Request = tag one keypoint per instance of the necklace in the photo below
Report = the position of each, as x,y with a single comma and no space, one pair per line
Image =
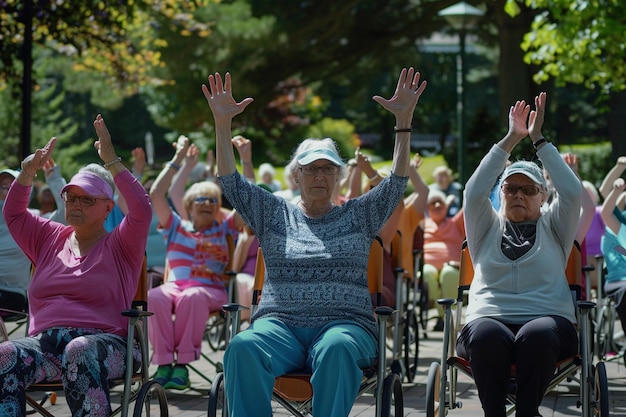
524,231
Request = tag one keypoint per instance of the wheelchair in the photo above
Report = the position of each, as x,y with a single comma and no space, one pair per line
405,328
606,346
441,386
293,391
137,388
421,299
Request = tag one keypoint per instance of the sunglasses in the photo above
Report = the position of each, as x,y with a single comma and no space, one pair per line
203,199
529,190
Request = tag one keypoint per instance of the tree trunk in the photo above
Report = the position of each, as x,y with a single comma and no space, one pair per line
514,76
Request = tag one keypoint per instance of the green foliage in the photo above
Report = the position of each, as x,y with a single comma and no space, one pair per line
578,42
341,131
595,162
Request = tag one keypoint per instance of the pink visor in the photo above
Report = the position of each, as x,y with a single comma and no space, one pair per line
90,183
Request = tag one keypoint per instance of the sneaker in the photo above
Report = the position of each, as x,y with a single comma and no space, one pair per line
179,379
163,374
439,325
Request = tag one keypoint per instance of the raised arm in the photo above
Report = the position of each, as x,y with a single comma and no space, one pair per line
615,172
162,182
224,108
244,148
179,182
609,218
419,197
402,105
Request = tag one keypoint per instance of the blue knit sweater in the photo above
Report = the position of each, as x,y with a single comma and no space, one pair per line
316,268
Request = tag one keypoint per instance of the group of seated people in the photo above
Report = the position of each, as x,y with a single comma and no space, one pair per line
315,312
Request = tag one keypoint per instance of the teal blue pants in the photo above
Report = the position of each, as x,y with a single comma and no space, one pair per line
335,354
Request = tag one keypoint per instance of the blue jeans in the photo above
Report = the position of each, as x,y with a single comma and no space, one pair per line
83,359
335,354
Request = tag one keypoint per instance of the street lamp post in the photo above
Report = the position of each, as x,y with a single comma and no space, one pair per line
462,17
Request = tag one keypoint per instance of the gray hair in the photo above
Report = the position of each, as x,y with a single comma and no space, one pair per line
100,171
311,143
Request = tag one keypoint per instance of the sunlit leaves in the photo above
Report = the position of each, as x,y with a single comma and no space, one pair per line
578,41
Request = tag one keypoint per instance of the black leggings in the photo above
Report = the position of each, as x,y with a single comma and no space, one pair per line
534,348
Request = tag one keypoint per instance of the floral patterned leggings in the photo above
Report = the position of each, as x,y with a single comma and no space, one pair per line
83,359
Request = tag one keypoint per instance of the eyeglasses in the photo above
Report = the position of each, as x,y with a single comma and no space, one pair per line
529,190
84,200
203,199
314,170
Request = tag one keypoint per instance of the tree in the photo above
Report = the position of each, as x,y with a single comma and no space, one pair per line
105,37
582,43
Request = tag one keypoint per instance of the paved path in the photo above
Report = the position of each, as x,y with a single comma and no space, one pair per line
561,402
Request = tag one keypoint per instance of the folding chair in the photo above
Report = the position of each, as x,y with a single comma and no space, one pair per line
294,391
441,385
137,387
19,320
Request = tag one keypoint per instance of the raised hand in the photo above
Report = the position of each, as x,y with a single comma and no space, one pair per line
536,118
408,91
518,117
244,147
38,160
220,98
139,161
103,145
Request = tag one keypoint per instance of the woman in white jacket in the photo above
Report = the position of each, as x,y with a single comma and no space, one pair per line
520,310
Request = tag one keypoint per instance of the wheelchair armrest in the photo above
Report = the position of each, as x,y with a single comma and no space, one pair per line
446,301
136,313
230,307
384,311
586,305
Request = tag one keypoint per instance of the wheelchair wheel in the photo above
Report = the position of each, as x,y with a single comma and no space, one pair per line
433,390
601,394
215,331
603,343
149,392
424,305
393,400
411,345
217,398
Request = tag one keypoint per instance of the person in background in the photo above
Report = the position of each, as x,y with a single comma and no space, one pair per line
155,246
315,311
197,256
16,267
443,241
244,263
614,251
84,278
520,310
49,196
292,192
593,238
267,174
442,175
